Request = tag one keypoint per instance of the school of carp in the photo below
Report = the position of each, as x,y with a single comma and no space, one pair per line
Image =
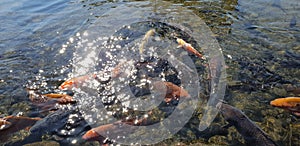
47,102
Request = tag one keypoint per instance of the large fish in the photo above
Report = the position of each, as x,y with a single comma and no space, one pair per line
251,133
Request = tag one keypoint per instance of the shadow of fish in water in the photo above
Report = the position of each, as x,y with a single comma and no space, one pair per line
277,4
292,59
293,22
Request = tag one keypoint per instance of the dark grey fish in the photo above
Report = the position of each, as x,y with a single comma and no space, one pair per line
251,133
45,126
211,131
293,22
51,122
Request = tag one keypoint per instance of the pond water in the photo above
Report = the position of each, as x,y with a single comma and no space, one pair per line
260,41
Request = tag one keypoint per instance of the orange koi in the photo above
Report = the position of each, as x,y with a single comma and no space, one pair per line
188,47
286,102
48,101
91,135
94,134
173,91
290,103
60,98
76,82
79,81
54,95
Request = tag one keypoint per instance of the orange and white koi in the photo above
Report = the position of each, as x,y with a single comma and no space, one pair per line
188,47
289,103
145,40
76,82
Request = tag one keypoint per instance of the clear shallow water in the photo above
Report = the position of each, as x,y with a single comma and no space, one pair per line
27,47
260,41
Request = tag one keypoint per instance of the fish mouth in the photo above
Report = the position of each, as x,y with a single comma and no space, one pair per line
273,103
219,104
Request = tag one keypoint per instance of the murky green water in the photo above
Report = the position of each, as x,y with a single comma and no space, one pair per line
260,40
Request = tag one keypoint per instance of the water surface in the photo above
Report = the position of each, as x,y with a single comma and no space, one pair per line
259,38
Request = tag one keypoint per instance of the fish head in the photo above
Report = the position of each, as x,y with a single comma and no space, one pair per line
90,135
180,41
4,124
230,113
69,84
